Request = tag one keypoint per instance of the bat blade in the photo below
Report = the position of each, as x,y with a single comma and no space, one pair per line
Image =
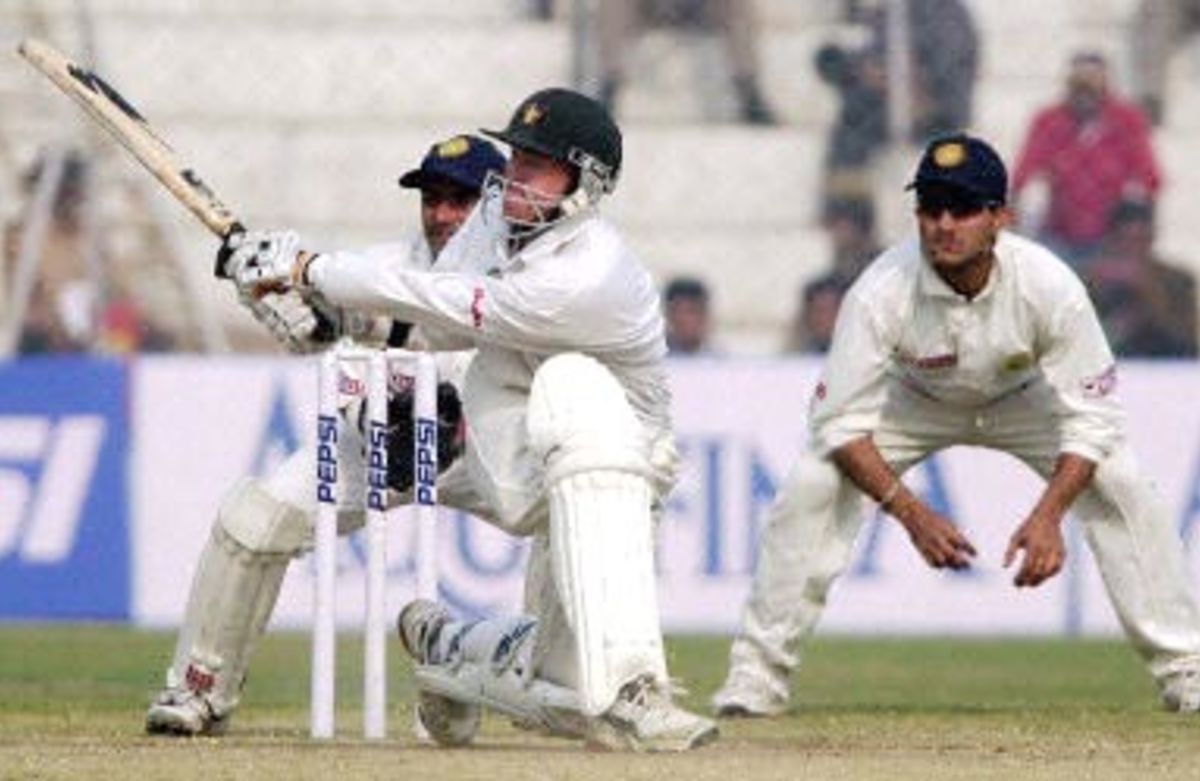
129,128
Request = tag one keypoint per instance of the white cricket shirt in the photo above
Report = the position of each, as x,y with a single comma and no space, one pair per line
1032,322
576,288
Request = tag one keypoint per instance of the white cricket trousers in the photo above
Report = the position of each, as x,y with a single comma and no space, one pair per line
811,529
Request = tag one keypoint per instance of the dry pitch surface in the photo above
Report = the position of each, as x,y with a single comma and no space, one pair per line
72,699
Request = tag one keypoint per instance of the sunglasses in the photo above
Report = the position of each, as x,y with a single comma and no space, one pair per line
934,205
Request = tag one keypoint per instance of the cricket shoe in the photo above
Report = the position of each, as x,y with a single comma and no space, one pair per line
750,694
448,721
645,719
1180,691
186,712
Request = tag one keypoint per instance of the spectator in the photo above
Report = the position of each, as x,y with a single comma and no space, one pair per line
1093,149
1159,28
541,10
861,127
944,51
812,325
850,223
1147,307
687,316
59,308
620,21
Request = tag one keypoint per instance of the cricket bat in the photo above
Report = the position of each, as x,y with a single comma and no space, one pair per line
126,124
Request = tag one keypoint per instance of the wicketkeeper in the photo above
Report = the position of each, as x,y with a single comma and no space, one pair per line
569,436
970,335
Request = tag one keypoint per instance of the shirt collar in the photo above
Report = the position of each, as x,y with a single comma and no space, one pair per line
932,285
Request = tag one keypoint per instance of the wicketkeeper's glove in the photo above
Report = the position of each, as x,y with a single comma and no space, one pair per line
451,434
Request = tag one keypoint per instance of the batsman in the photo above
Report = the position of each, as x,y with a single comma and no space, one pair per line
966,335
569,438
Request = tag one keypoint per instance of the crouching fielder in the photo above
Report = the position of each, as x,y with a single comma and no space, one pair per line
568,434
969,336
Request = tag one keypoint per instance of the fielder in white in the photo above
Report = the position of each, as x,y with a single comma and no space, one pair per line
569,434
968,336
264,523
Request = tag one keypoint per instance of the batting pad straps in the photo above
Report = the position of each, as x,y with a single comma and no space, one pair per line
569,461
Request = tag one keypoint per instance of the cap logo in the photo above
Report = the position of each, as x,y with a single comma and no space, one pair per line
950,155
532,114
454,147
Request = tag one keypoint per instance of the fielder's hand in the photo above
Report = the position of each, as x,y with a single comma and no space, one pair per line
401,431
938,540
1045,551
262,261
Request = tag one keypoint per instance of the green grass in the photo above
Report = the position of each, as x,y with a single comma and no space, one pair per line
72,700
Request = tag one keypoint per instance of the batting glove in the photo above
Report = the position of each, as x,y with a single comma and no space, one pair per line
263,260
296,324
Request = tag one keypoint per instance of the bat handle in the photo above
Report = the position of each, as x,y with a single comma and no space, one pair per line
220,268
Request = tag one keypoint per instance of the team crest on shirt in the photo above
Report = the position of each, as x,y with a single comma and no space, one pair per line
950,155
1017,362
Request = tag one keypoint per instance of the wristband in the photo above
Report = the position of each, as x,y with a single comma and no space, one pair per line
300,270
891,493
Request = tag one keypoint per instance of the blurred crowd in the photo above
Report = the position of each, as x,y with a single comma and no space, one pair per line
1091,155
1086,178
65,289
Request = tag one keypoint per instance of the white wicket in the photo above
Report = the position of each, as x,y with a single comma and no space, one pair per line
378,363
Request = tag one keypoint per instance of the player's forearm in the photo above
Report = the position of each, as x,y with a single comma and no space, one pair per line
379,287
863,464
465,309
1072,474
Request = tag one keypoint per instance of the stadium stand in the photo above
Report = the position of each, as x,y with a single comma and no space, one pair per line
306,119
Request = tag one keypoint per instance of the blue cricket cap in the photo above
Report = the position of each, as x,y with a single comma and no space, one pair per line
464,160
966,163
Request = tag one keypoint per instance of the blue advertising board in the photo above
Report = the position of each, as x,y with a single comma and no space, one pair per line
64,520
